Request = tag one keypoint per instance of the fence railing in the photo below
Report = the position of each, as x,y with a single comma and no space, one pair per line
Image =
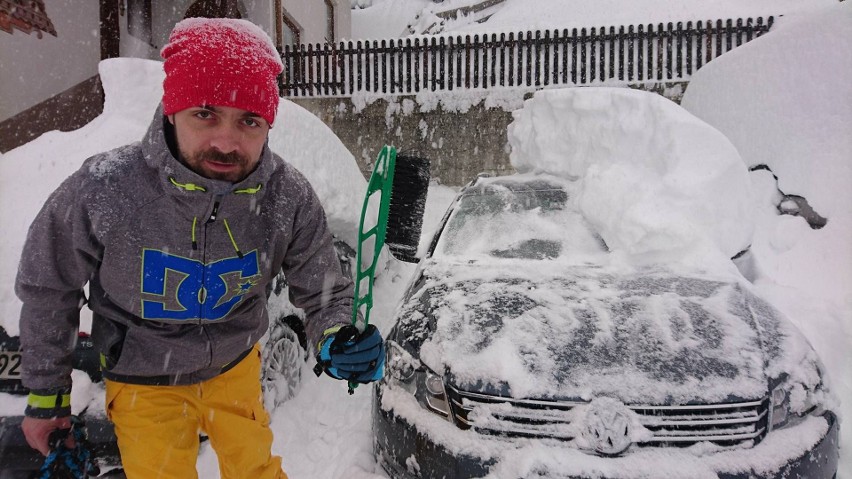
585,56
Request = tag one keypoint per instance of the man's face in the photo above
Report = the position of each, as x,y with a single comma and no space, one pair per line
220,142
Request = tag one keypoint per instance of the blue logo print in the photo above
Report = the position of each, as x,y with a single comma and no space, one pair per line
186,289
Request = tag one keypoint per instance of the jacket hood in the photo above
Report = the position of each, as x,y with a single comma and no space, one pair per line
158,155
650,338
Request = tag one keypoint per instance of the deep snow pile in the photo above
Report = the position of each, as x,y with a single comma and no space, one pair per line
785,100
651,178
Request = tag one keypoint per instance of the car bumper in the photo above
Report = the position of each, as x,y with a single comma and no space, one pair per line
406,452
17,455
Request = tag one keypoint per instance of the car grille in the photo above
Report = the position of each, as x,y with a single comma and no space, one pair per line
727,424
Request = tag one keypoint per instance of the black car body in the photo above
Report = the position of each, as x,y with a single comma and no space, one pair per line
522,349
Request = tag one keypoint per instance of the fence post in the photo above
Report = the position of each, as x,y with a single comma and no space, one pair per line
458,59
739,31
357,70
432,52
601,54
416,72
640,48
493,79
669,55
555,49
308,89
583,56
631,39
391,55
621,53
376,72
381,73
563,40
348,86
450,62
574,56
593,54
690,32
442,74
408,69
679,35
528,63
719,30
546,44
536,48
328,62
368,70
511,63
502,72
475,47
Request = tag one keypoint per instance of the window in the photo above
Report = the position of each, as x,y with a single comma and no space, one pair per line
139,20
290,31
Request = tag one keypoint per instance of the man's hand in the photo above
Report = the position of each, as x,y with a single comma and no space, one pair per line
37,431
352,355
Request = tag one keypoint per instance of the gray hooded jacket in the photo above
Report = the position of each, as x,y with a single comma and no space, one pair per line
178,265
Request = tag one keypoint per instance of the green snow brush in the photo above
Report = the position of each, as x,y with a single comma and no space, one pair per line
401,183
398,188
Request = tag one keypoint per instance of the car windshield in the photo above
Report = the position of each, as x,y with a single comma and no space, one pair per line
517,221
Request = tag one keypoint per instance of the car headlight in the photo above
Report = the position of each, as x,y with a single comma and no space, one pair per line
790,402
406,372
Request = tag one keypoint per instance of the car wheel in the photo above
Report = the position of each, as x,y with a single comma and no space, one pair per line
283,358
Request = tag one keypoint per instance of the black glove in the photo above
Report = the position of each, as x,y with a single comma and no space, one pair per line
352,355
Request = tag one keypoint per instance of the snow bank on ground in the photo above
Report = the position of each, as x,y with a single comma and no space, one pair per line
651,177
785,101
133,89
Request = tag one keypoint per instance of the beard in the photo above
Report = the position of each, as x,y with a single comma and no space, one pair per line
197,162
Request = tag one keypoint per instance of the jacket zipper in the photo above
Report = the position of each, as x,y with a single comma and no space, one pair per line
212,218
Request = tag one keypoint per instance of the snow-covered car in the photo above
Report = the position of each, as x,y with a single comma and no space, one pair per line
524,347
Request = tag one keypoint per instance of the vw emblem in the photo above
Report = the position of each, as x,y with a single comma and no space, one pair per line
607,426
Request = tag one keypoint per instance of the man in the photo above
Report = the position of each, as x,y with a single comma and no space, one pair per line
179,237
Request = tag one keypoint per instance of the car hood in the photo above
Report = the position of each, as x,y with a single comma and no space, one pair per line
580,332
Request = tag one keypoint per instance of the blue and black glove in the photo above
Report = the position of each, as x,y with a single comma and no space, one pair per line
352,355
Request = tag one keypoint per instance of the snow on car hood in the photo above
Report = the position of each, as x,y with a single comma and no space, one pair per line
580,332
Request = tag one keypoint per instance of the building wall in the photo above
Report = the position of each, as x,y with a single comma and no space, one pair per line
311,16
33,69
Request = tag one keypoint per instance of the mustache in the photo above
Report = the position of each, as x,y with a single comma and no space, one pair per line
232,158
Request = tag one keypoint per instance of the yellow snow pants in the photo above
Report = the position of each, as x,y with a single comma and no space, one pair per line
158,426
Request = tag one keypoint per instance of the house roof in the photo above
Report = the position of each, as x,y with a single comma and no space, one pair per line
26,17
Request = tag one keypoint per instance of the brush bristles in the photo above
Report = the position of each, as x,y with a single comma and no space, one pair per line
407,204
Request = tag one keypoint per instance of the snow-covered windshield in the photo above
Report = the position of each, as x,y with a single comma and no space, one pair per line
528,221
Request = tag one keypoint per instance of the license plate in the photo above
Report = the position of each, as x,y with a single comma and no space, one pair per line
10,365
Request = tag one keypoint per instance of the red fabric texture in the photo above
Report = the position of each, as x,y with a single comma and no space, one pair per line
221,62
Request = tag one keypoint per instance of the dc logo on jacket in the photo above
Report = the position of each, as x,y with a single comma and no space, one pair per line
186,289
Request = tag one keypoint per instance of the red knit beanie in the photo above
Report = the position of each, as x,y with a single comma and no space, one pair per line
220,62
